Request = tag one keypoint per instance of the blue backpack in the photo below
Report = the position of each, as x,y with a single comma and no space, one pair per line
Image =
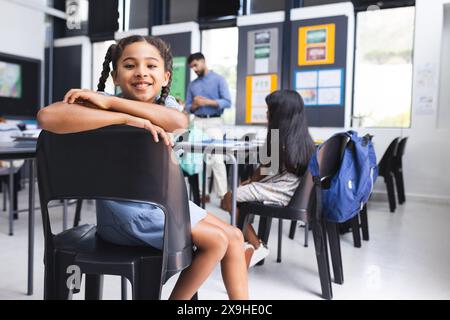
352,185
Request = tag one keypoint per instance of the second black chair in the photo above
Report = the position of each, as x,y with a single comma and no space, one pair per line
386,170
398,170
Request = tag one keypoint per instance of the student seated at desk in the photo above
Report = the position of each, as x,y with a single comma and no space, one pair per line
295,147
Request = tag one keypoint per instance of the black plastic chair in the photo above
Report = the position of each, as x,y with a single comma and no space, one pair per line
303,207
398,170
386,170
360,221
4,187
115,162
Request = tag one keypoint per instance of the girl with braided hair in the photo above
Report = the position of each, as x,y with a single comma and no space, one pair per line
142,68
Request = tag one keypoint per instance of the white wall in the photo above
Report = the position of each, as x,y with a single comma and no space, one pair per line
22,29
444,83
427,156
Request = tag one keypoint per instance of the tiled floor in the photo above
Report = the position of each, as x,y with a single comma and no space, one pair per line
407,257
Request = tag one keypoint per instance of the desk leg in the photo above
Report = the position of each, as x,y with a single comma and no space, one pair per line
233,187
202,199
11,198
31,227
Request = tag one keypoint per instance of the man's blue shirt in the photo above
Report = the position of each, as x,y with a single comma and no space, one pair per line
211,86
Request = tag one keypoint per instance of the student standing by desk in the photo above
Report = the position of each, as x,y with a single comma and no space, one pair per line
206,98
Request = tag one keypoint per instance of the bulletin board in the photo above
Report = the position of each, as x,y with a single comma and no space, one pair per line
318,68
258,71
257,87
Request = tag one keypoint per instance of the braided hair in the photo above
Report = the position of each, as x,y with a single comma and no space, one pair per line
115,52
105,71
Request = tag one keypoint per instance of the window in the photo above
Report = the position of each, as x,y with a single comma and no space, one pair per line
383,68
220,47
444,93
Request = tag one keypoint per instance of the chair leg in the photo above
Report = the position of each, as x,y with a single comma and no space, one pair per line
292,229
400,185
280,237
390,191
364,223
354,222
320,243
49,280
4,190
265,224
306,234
16,178
65,279
243,220
335,251
147,284
194,186
77,218
123,288
93,287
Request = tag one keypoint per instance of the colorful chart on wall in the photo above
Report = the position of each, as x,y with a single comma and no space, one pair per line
178,87
257,88
320,87
316,45
262,51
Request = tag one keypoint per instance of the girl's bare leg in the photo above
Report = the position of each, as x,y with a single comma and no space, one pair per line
212,243
249,233
233,264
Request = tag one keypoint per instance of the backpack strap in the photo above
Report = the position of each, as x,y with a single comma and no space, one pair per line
313,167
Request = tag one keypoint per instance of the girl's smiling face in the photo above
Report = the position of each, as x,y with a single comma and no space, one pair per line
140,72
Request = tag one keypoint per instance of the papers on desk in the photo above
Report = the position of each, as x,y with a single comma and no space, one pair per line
224,142
27,135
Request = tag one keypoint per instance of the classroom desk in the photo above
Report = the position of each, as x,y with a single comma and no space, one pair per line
228,148
26,151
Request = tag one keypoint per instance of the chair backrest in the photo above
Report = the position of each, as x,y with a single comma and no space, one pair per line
329,159
115,162
387,161
401,150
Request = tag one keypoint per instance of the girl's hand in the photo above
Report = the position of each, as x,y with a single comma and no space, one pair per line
88,98
147,125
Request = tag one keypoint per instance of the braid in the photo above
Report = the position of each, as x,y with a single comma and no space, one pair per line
166,54
105,72
164,93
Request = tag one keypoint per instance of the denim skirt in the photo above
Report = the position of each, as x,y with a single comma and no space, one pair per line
136,223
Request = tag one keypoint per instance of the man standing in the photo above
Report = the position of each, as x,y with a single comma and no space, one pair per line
206,98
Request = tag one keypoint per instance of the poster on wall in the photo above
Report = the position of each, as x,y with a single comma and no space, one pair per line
320,87
316,45
262,51
257,88
178,87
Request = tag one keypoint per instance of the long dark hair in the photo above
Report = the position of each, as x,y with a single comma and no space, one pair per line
286,112
115,52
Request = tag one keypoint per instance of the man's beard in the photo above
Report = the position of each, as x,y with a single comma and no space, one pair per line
201,73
